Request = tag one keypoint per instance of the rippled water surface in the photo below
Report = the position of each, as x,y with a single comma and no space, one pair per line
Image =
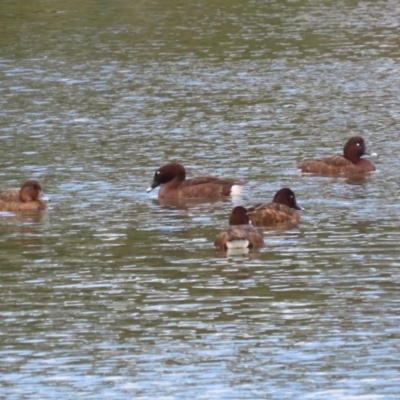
112,293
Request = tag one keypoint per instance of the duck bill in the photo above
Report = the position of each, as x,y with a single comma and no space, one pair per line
42,197
152,186
367,152
297,207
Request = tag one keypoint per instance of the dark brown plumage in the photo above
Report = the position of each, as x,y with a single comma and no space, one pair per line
29,197
239,234
281,210
348,163
172,177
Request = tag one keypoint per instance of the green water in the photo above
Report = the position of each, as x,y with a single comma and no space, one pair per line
112,293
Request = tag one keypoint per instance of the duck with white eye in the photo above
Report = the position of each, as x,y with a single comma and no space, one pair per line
282,210
347,164
366,152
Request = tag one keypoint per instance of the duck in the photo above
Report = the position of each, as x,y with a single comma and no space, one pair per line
29,197
281,210
174,185
348,163
239,234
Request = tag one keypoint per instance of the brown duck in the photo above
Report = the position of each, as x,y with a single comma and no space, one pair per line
281,210
172,177
29,197
239,234
348,163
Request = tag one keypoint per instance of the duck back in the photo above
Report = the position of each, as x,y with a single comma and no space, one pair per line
272,213
34,205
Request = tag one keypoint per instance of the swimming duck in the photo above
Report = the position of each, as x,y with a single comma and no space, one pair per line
29,197
281,210
239,234
348,163
172,177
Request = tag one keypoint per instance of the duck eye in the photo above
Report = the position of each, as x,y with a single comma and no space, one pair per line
158,172
358,144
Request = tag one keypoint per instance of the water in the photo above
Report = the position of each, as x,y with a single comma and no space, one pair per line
112,293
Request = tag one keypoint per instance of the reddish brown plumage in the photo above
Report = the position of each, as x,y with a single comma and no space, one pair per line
27,198
281,210
172,177
239,230
348,163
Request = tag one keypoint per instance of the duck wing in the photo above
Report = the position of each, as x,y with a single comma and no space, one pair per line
272,213
34,205
208,187
240,233
202,180
327,165
10,195
221,239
